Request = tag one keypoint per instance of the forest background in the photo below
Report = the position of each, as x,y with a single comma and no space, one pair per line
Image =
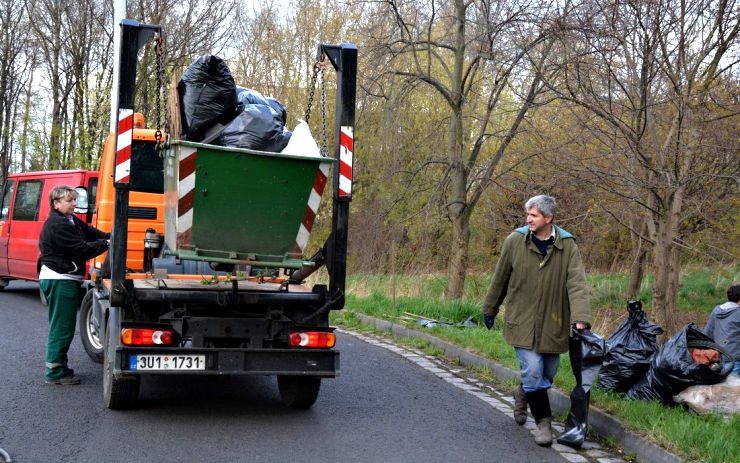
625,111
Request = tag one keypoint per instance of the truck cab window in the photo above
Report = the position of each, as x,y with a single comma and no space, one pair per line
27,200
7,196
147,168
92,193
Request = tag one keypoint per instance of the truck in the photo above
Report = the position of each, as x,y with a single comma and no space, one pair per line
24,206
206,269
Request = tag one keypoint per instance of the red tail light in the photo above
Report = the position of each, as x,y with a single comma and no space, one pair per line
312,339
146,337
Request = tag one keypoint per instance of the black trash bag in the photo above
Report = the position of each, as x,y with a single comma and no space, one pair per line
629,350
257,127
250,96
672,369
207,96
586,350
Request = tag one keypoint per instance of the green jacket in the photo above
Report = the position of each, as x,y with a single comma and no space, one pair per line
545,295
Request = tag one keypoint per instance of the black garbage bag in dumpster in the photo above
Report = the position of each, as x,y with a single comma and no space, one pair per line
250,96
257,127
207,96
586,351
629,350
673,369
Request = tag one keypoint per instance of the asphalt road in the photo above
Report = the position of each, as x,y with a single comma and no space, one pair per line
382,408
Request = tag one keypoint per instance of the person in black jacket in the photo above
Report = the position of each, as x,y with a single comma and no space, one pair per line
66,243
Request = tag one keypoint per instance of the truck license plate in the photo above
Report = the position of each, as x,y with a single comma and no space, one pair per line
167,362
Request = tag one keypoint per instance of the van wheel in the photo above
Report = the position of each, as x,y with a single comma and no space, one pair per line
118,393
299,391
89,332
3,283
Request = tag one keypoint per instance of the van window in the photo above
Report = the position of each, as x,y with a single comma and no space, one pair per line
147,168
92,193
26,206
7,196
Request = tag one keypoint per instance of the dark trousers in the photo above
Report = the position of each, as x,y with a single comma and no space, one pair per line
63,297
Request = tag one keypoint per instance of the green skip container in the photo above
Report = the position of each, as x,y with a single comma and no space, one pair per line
239,206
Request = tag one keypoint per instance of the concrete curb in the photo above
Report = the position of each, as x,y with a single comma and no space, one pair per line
599,421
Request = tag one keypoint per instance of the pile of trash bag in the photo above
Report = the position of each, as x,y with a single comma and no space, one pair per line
209,98
689,358
629,350
586,350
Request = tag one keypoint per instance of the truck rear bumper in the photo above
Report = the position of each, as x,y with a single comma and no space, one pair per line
225,361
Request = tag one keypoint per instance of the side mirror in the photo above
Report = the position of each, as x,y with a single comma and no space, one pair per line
83,204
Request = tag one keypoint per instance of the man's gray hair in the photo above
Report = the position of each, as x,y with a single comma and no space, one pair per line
545,204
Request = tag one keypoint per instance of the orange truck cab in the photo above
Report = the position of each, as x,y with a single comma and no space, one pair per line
146,204
24,208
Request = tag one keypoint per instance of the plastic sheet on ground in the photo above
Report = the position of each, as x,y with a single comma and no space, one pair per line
468,323
673,369
586,350
629,350
721,398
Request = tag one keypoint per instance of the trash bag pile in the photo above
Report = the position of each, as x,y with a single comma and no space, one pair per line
586,351
684,361
212,104
629,350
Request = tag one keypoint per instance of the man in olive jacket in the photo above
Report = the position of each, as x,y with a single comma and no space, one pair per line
540,275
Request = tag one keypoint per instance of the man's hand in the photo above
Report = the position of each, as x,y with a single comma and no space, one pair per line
581,326
488,320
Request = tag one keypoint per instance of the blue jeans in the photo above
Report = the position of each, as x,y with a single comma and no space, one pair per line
538,370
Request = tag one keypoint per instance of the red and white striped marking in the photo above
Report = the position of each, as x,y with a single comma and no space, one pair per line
122,172
185,195
346,147
312,208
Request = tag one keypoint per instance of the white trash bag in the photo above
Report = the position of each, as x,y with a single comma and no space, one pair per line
301,142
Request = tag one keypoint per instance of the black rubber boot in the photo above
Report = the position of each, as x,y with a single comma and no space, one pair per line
539,404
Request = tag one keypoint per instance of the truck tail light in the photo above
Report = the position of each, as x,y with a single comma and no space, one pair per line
312,339
146,337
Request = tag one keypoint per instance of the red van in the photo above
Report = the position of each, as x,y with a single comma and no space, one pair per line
24,206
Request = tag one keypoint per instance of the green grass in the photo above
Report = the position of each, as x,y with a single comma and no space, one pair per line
709,438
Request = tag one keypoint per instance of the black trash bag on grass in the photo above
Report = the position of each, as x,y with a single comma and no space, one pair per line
629,350
673,369
586,351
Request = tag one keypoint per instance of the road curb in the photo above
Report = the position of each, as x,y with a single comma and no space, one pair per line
599,421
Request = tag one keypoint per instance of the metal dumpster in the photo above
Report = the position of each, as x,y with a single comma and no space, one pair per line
240,206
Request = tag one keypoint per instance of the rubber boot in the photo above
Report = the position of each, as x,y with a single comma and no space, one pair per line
539,404
520,406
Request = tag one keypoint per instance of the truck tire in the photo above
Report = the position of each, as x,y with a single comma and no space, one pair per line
89,333
118,393
299,392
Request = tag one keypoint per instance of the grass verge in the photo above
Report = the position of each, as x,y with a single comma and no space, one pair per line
706,438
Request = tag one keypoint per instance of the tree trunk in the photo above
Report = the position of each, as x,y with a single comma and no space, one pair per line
458,268
637,269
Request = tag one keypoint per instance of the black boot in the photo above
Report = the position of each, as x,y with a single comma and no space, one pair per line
539,404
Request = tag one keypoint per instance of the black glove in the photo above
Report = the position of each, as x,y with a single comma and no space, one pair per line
488,320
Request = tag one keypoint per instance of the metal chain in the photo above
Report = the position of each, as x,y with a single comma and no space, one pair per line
163,125
312,90
324,149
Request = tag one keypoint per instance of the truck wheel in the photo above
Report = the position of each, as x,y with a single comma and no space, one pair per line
89,333
299,391
118,393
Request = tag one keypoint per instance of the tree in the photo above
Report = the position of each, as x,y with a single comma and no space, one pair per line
652,74
479,57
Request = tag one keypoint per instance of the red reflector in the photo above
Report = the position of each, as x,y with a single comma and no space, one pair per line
146,337
314,339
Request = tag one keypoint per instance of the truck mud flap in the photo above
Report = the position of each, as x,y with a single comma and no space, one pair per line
313,362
